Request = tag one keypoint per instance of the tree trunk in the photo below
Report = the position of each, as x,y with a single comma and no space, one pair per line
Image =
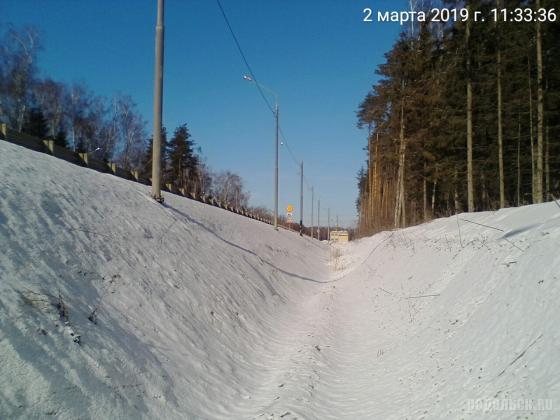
531,136
485,196
434,194
21,117
470,188
376,184
424,195
383,199
500,127
547,165
519,162
457,204
538,198
371,197
400,212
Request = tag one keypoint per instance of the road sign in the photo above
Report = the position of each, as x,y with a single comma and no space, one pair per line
290,208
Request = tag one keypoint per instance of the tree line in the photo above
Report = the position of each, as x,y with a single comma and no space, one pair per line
111,129
464,117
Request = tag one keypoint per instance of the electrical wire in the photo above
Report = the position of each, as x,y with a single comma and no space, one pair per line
238,45
265,99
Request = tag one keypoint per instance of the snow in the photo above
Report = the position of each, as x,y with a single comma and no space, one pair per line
190,311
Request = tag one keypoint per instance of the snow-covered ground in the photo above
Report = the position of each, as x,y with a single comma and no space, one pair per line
112,306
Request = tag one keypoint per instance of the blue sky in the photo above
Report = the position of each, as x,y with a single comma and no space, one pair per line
317,55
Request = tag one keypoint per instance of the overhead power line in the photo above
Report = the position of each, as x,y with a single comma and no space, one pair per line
252,74
257,84
238,45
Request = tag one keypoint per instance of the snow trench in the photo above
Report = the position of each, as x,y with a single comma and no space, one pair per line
113,306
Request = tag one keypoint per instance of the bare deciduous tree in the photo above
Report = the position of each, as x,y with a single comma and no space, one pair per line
18,70
228,188
50,98
131,132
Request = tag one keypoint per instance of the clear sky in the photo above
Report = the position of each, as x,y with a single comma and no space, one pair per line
317,55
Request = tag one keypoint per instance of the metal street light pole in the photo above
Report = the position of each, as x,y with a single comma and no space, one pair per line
277,143
301,202
328,224
312,199
318,220
276,112
158,100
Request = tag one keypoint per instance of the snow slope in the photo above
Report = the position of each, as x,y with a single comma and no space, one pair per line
189,311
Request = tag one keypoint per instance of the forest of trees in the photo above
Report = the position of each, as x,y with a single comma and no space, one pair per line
184,169
464,117
112,129
72,115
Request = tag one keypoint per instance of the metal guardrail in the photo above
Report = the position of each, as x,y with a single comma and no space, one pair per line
86,160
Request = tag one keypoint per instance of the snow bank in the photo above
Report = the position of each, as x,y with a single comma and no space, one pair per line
185,298
451,319
112,306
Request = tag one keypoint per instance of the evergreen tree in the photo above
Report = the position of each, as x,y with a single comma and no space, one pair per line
183,161
456,125
146,162
36,124
61,139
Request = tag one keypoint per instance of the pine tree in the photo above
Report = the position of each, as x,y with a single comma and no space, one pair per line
36,124
183,161
146,162
454,123
61,139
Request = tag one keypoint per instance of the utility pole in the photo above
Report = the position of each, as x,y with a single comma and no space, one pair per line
158,101
337,222
277,143
301,202
318,220
277,110
312,198
329,224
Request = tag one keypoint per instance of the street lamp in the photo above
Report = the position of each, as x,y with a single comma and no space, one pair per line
97,149
158,100
276,117
301,202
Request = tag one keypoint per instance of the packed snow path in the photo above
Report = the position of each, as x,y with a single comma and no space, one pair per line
112,306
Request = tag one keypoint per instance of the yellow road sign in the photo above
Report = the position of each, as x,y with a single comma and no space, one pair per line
290,208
